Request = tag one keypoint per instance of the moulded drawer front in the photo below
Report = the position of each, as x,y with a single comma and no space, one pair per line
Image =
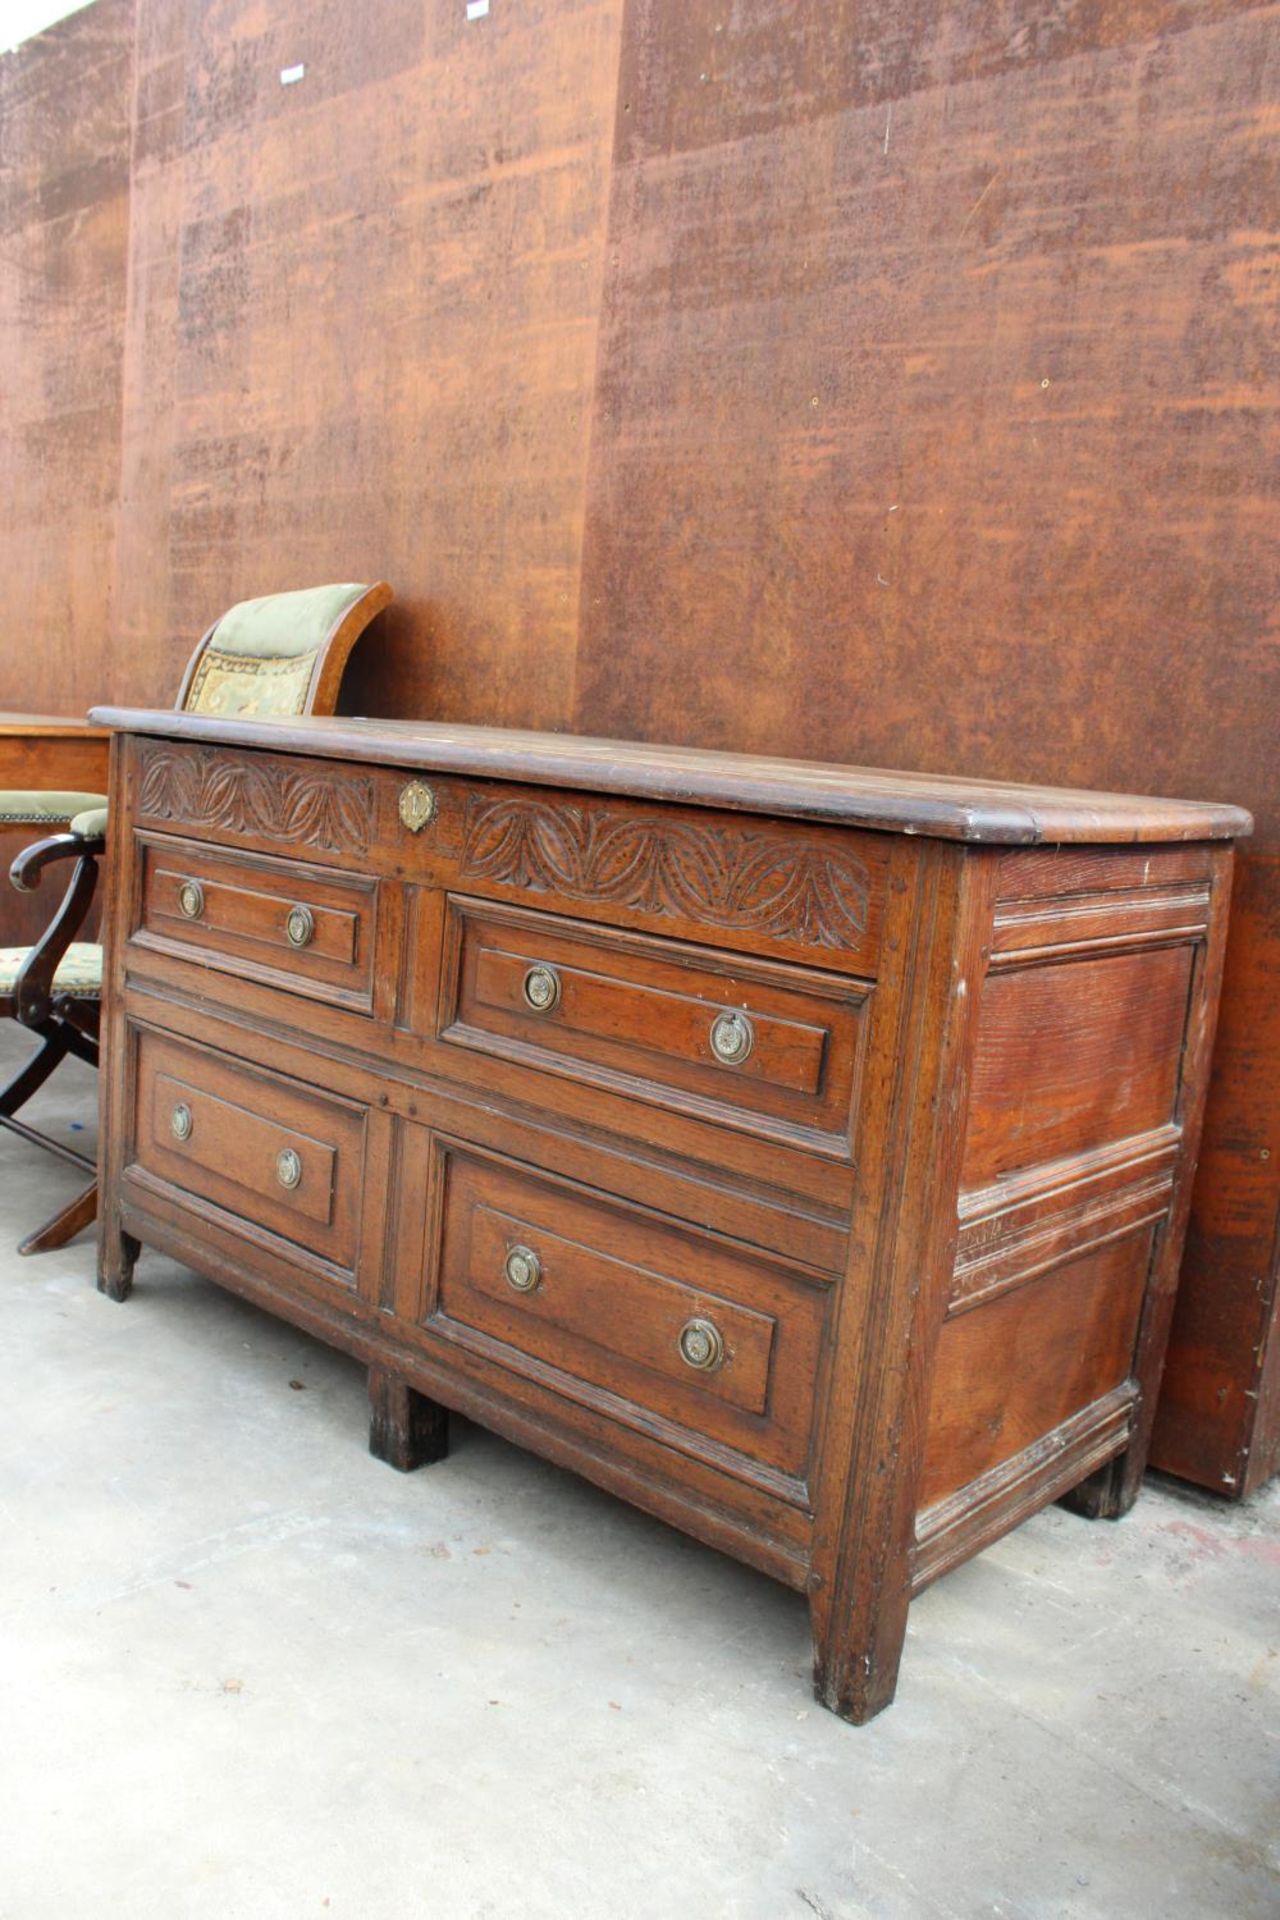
270,1153
290,924
647,1319
761,1047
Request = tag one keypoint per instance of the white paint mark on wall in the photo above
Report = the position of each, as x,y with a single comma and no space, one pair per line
22,19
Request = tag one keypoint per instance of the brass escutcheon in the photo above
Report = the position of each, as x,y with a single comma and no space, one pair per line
522,1268
542,989
701,1345
732,1038
180,1121
417,805
191,899
288,1167
300,927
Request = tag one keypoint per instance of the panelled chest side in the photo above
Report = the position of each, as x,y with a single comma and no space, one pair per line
801,1153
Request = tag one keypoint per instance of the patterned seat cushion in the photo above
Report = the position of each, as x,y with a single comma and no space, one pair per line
261,654
79,973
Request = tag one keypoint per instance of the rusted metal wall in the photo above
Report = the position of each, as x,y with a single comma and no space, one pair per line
64,205
889,382
363,315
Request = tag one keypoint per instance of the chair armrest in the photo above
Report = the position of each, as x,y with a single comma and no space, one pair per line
31,862
91,824
33,990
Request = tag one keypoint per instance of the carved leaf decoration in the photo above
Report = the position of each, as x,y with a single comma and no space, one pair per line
329,810
787,889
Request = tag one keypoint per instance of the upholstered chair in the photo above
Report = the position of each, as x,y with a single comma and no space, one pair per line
274,657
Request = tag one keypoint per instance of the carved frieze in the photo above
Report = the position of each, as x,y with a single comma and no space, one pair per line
780,886
328,808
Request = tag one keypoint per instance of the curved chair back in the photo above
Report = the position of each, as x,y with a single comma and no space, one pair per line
280,655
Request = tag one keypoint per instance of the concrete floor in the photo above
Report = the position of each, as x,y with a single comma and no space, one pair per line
246,1670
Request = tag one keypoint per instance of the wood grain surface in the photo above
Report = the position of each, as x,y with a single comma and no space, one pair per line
938,805
844,1272
885,384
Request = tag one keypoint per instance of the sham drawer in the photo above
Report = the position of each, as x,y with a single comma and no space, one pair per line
712,1350
308,929
766,1049
269,1152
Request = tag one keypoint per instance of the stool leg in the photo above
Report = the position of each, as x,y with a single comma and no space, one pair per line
405,1428
64,1226
34,1072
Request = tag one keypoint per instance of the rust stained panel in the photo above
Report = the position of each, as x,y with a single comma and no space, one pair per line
375,305
949,438
696,75
1224,1327
64,199
144,657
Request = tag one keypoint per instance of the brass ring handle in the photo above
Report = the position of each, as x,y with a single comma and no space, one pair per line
288,1167
732,1038
522,1268
181,1122
300,927
701,1345
191,899
541,988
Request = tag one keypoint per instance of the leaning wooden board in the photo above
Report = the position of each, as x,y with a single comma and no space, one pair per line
42,751
801,1152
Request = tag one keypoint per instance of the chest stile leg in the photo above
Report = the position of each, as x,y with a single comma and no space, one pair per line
405,1428
871,1439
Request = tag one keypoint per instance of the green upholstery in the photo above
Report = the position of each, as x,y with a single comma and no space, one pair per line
280,626
45,808
90,825
259,661
79,971
260,657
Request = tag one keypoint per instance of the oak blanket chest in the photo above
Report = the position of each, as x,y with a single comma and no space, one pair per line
801,1152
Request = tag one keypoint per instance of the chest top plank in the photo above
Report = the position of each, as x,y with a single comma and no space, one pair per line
941,806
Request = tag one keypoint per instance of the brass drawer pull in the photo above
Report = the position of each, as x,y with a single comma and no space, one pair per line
523,1269
417,805
701,1345
288,1167
542,989
300,927
181,1122
732,1038
191,899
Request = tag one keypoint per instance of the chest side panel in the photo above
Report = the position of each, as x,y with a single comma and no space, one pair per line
1074,1161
